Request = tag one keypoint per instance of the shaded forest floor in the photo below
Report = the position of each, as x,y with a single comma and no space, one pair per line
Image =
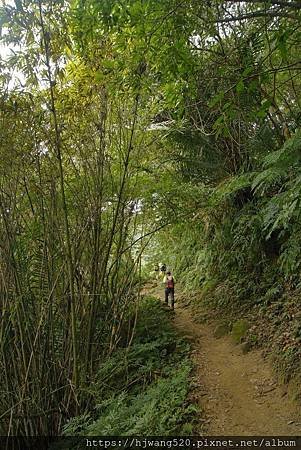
236,392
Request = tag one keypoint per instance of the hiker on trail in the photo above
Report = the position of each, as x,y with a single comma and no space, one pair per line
169,288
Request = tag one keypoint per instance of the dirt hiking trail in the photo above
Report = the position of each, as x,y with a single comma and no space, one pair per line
237,393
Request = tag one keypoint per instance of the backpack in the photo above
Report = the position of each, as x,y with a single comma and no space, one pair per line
170,282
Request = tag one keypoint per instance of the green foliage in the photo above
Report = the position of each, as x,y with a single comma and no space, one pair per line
229,187
142,389
131,117
281,212
158,410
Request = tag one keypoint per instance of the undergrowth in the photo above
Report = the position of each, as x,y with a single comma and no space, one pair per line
142,390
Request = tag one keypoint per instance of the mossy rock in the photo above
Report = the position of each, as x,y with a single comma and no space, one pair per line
246,347
239,330
221,330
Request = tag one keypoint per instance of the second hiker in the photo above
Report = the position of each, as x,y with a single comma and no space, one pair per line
169,288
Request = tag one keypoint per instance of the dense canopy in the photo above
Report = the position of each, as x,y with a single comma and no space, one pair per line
133,132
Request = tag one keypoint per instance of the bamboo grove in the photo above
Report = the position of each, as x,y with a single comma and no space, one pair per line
132,130
70,230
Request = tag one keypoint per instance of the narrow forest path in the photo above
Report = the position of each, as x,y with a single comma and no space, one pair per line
236,392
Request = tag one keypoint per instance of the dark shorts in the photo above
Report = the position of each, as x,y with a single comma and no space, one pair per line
170,292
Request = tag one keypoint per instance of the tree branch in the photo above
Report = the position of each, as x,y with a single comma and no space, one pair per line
260,13
284,4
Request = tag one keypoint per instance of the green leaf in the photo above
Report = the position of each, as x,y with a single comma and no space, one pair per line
216,99
240,87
